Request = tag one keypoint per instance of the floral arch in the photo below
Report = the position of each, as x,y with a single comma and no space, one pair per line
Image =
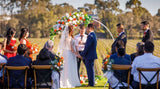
75,19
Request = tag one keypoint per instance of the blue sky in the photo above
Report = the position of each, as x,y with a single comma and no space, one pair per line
151,5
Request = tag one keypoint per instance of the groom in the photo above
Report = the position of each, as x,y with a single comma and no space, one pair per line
89,54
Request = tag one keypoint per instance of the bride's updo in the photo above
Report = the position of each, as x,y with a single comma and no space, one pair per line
70,29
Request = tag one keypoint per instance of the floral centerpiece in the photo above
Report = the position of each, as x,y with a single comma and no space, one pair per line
57,64
83,79
107,64
74,19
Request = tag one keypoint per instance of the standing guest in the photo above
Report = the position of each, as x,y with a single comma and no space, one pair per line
148,60
23,40
3,58
9,42
19,60
80,44
121,36
140,50
148,34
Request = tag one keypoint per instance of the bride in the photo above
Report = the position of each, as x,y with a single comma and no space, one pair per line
66,48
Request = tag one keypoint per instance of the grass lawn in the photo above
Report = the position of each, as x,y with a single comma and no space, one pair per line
100,85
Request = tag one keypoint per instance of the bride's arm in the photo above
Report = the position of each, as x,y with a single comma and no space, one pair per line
72,49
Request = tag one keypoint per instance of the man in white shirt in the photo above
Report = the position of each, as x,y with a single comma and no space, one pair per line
3,59
80,43
148,60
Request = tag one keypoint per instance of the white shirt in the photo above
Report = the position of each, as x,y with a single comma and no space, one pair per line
148,60
80,47
2,60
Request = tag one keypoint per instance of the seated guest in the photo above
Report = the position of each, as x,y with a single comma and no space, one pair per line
148,60
121,58
19,60
140,50
44,58
3,59
49,49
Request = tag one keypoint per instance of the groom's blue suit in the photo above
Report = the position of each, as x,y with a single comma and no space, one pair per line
89,54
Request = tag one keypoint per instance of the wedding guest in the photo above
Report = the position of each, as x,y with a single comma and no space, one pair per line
9,42
140,50
148,60
121,36
121,58
3,58
148,34
80,44
44,58
19,60
23,40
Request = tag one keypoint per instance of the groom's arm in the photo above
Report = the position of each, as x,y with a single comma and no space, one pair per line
87,46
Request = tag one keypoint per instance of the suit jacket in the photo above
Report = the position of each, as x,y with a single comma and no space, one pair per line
44,59
18,60
89,51
122,37
148,36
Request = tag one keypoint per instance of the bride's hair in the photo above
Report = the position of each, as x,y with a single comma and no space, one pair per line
70,29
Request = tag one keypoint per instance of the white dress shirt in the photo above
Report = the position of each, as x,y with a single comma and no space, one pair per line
148,60
78,38
2,60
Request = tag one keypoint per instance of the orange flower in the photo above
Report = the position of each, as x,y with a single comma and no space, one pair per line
62,58
62,22
84,19
76,25
59,22
74,19
60,28
81,81
107,56
70,14
55,30
68,20
85,76
105,62
59,64
80,18
80,75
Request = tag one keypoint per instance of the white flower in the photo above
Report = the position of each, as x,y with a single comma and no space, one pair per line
74,16
77,15
74,22
67,23
70,18
83,16
67,15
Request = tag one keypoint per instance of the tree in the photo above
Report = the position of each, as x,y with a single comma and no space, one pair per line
158,14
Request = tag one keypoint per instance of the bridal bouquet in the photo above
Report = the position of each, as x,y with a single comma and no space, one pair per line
14,47
57,64
107,64
34,48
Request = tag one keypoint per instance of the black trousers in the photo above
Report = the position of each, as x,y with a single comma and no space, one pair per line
78,64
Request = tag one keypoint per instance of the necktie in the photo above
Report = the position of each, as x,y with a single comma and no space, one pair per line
81,37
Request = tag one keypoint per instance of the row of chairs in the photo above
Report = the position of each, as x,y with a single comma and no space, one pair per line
140,70
25,69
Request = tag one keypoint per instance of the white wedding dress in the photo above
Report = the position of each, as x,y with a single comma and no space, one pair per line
69,76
